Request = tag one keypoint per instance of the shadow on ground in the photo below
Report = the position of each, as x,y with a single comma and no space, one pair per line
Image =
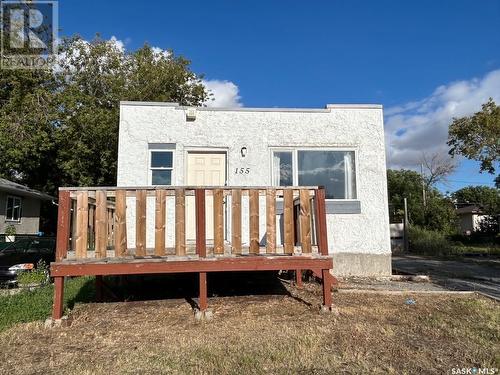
183,286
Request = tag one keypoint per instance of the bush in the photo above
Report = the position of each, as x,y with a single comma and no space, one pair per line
39,275
429,242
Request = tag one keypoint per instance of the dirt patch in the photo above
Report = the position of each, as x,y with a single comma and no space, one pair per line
264,334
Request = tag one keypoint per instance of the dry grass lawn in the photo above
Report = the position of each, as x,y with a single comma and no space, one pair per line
264,334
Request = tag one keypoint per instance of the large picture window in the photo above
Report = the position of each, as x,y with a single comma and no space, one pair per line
333,169
13,209
161,165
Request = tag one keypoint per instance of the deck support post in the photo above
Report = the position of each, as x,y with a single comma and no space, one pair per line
327,289
298,278
203,300
57,306
99,288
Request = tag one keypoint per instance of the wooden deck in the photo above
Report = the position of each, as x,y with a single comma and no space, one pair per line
92,233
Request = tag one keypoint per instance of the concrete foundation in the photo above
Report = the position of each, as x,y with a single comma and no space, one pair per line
361,264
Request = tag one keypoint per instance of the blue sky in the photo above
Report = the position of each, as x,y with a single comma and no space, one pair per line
425,61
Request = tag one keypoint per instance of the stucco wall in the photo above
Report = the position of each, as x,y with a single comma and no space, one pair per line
358,127
30,215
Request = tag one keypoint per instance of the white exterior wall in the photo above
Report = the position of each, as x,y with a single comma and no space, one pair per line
358,236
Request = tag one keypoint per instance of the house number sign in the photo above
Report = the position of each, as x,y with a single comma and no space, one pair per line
242,170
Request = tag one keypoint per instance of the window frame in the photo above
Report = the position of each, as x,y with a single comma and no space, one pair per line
151,169
14,197
295,167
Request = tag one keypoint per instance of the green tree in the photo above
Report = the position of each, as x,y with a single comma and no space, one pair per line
486,197
438,214
60,127
477,137
94,77
27,116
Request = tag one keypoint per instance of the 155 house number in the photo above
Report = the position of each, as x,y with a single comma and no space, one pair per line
242,171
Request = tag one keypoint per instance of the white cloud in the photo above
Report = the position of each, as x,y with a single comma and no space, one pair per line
225,94
119,44
421,126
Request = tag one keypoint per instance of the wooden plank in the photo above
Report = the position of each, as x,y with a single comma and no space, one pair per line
58,304
254,221
110,226
120,223
327,288
203,299
101,224
218,221
91,229
82,220
140,222
180,222
271,221
236,221
288,224
74,210
201,240
63,225
305,221
144,266
160,222
321,228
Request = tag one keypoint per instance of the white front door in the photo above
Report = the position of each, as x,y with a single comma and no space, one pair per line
203,169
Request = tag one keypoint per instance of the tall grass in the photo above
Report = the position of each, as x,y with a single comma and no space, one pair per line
431,242
28,306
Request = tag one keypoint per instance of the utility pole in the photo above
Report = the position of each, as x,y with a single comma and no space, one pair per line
405,226
424,197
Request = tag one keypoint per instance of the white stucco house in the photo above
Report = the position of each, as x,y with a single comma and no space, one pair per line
340,147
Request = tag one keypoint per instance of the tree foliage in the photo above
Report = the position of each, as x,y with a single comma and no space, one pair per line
60,127
439,212
477,137
483,196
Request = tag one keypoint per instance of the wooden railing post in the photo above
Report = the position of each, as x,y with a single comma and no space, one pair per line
160,225
101,224
120,223
321,230
218,195
140,222
236,221
305,221
201,242
270,221
180,222
82,224
63,225
254,220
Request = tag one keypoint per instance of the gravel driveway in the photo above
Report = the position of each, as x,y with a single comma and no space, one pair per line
477,274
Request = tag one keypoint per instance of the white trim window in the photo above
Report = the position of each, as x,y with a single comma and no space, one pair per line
332,168
161,164
13,208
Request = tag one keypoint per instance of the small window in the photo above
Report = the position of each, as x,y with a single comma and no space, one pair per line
283,167
13,210
161,165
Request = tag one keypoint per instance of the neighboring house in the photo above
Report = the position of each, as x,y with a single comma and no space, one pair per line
340,147
20,206
470,218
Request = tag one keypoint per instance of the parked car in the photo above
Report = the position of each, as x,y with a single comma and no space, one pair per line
24,255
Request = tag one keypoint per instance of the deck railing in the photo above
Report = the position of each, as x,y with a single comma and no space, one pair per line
102,222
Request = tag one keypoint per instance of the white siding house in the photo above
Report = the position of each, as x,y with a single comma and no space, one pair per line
340,147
